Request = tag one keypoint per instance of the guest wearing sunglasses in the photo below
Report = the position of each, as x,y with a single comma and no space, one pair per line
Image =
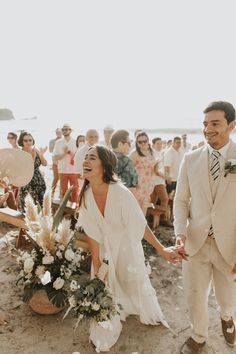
36,187
125,169
12,139
144,162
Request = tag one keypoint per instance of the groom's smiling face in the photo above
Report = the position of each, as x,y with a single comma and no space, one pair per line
216,129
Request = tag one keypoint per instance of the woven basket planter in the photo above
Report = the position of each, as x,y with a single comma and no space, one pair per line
41,304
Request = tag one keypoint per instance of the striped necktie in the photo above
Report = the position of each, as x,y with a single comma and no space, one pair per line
215,164
215,172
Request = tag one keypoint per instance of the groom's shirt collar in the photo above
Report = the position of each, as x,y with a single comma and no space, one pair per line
222,151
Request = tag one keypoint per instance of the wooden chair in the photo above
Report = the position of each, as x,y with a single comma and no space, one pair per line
15,218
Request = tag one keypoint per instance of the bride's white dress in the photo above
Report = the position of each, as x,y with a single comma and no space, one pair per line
119,233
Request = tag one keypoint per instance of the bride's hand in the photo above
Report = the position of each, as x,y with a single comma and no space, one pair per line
171,254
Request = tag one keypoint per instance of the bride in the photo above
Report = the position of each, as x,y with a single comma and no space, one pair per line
115,226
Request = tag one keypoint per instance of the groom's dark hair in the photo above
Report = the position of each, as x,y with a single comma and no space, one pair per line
224,106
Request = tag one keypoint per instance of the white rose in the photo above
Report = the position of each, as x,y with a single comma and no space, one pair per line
58,283
28,265
69,255
46,278
48,259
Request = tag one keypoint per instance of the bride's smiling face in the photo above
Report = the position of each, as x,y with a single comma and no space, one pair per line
92,166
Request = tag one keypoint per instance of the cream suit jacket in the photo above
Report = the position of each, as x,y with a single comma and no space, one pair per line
194,210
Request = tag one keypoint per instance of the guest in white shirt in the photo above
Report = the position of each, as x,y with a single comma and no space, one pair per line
172,160
63,152
185,146
91,139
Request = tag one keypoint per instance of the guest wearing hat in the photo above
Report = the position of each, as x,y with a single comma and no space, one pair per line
107,132
64,152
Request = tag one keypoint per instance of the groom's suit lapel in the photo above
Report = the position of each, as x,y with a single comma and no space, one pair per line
204,174
224,181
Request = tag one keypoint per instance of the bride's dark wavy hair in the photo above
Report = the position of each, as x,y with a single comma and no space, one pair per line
109,162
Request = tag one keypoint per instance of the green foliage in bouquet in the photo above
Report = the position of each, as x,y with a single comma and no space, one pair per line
92,299
53,258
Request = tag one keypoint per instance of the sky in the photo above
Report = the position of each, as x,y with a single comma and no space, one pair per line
129,63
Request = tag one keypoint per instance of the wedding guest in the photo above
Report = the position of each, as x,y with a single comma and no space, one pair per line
80,141
12,139
185,145
125,169
107,133
36,187
144,162
172,161
205,224
63,152
54,162
115,225
91,139
159,193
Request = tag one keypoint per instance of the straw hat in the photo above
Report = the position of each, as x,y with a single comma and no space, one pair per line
17,166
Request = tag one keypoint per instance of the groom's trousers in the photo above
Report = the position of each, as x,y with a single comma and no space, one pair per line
208,267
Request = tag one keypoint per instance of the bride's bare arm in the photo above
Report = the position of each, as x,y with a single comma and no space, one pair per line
169,253
94,247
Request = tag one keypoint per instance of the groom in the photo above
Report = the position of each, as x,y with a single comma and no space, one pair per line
205,223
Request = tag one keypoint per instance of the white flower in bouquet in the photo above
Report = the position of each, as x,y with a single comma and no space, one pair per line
28,265
69,255
95,306
59,254
40,270
62,247
48,259
58,283
73,285
46,278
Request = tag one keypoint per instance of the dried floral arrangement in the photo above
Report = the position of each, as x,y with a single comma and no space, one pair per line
53,258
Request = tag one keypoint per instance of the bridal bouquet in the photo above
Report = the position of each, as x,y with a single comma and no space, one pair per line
92,299
53,260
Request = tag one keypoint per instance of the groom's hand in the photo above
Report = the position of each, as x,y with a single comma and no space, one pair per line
180,241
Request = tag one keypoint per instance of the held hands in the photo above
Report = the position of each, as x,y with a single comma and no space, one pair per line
180,242
172,254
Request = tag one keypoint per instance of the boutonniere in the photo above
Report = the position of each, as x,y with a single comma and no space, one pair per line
230,167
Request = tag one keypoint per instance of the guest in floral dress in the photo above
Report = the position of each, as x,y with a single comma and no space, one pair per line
144,162
36,187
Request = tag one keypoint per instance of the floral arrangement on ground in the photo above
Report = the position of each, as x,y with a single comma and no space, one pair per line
53,259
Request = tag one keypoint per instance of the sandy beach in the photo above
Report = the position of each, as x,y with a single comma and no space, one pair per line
23,331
